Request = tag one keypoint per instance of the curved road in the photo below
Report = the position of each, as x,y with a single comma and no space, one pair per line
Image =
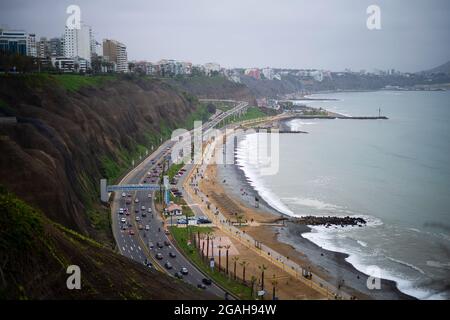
142,245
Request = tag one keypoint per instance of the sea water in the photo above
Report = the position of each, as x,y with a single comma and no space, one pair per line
395,173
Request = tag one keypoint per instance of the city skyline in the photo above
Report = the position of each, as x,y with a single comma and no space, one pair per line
246,36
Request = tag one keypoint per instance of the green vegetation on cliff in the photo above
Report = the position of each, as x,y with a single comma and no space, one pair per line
35,253
75,82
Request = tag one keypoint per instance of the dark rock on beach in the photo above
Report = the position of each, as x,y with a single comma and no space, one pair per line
330,221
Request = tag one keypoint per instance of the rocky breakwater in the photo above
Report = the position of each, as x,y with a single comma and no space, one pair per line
330,221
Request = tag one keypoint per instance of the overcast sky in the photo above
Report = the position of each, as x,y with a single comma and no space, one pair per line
319,34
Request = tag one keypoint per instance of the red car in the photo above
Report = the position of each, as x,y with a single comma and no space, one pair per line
131,232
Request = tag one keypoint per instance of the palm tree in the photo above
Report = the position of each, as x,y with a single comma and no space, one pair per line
262,268
227,247
252,281
235,259
207,245
243,265
274,284
239,219
212,246
203,248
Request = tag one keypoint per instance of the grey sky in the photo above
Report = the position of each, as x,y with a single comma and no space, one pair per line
257,33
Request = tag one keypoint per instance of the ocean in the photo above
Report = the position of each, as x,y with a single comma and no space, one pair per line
394,173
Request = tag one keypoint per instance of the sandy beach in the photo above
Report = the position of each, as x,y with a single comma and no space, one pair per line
286,237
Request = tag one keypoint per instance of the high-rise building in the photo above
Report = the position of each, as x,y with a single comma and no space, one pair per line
43,48
116,52
14,41
31,45
57,47
77,42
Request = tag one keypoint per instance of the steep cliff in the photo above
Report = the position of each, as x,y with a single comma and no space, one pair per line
215,87
68,137
70,132
35,253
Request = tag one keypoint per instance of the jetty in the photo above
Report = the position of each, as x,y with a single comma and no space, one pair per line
333,116
330,221
273,129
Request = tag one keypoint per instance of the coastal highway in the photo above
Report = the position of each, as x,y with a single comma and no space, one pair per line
142,245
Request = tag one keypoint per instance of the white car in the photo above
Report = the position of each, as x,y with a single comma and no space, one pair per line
121,211
136,200
143,208
149,195
138,218
149,210
123,194
123,220
147,227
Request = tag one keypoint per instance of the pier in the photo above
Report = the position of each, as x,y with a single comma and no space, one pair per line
274,129
301,116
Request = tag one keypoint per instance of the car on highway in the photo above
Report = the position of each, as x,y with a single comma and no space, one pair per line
201,286
136,200
128,201
178,275
124,194
136,210
203,220
159,245
150,245
127,213
143,208
159,256
149,210
123,220
172,255
131,232
168,265
149,196
167,243
206,281
138,218
121,211
140,227
147,227
184,271
144,214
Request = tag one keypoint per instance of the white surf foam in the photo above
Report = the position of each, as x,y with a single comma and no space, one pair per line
327,238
